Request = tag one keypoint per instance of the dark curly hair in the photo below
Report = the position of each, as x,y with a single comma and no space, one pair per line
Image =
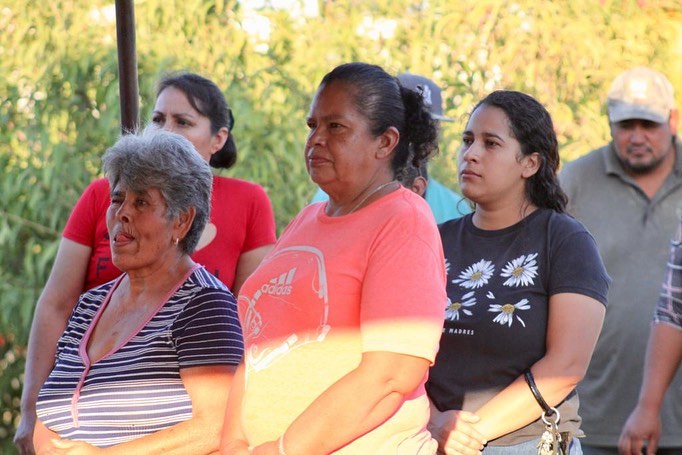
205,96
532,126
385,103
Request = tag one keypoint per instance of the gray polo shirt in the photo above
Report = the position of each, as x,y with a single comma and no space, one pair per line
633,235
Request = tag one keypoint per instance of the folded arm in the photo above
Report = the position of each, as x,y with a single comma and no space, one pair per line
208,388
573,327
337,417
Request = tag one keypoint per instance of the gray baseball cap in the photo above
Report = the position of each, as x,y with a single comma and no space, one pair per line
641,93
429,91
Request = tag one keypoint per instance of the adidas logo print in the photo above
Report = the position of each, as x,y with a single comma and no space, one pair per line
280,285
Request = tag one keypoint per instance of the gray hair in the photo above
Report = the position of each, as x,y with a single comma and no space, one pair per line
168,162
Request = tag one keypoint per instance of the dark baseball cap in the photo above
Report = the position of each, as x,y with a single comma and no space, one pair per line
430,93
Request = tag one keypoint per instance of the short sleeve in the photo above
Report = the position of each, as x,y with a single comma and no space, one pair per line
260,230
403,294
576,265
669,307
208,332
91,207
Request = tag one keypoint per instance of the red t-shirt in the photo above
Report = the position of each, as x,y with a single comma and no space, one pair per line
241,220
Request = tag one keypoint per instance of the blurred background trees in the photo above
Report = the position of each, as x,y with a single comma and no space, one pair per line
59,94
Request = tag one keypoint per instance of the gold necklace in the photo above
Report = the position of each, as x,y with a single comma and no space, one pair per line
376,190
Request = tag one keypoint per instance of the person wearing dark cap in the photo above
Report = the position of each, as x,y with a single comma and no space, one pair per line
627,194
431,94
445,203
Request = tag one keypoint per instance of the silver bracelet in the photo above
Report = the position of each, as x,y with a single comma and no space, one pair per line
280,445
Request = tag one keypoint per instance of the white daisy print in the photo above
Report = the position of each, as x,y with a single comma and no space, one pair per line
476,275
521,271
508,312
453,308
447,266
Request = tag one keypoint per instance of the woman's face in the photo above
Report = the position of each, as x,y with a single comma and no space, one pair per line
173,112
492,168
141,236
340,151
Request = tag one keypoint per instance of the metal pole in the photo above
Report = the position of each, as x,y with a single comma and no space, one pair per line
127,66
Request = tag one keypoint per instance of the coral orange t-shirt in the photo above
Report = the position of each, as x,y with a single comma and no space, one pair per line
331,289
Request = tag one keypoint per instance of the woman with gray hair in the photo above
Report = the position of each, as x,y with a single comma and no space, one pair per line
239,232
146,361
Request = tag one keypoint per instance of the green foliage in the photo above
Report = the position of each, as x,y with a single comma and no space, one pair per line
12,358
59,107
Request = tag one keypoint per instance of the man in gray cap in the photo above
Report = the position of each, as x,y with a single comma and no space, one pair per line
627,194
445,203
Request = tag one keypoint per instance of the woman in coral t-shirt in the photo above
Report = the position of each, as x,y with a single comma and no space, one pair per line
342,318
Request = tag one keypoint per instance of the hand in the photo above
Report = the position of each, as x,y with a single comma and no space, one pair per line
235,447
456,433
643,425
68,447
23,438
269,448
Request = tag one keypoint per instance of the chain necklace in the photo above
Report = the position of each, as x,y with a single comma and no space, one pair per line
376,190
